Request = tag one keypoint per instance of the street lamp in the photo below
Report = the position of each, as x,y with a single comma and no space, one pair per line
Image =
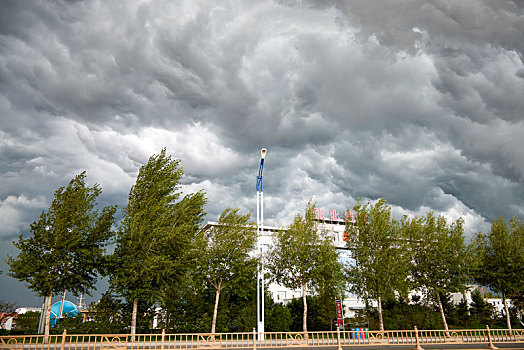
260,266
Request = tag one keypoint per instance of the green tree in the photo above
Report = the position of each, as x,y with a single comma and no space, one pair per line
319,316
518,302
463,315
303,256
399,314
105,316
73,324
189,309
237,308
186,306
379,255
224,254
65,250
441,259
157,231
500,260
481,310
278,317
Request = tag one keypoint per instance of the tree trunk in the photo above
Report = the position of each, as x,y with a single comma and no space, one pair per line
441,309
508,319
215,310
304,318
466,301
47,322
133,319
331,318
380,319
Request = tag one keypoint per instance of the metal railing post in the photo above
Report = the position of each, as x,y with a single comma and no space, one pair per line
163,338
254,339
417,346
339,345
64,334
490,344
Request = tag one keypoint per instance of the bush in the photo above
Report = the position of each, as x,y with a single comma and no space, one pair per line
278,318
482,312
28,322
397,314
320,314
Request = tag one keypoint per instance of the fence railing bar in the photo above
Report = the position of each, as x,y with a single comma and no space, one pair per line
243,340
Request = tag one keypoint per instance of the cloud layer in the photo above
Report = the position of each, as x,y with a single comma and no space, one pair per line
419,102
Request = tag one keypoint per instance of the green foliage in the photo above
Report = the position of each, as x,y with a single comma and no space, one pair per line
481,311
462,317
156,234
441,260
380,258
237,311
440,255
110,315
224,256
515,317
146,311
225,250
278,317
28,322
500,259
66,247
190,310
106,316
73,325
304,256
400,315
518,302
188,305
321,314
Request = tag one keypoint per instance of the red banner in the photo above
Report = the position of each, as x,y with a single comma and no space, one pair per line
340,316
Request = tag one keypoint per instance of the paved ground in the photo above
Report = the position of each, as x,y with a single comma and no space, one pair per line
519,345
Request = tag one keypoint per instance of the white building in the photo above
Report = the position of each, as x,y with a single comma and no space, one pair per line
334,226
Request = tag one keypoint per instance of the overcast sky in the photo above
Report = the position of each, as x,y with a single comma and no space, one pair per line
420,102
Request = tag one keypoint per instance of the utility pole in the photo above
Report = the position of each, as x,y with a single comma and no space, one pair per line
260,228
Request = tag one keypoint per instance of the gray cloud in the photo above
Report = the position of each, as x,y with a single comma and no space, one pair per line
416,101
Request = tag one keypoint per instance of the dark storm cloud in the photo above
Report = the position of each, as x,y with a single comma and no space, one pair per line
476,105
476,52
416,101
452,25
268,74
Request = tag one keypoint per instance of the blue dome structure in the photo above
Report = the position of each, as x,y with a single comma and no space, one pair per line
70,310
